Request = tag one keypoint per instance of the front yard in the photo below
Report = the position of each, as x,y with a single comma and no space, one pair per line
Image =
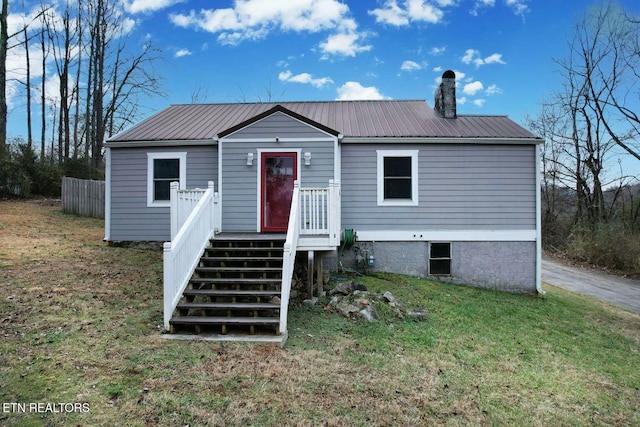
80,332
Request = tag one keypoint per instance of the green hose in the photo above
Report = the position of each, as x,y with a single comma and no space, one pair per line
349,238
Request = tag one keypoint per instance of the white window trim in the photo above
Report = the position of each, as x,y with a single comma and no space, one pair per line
182,157
414,177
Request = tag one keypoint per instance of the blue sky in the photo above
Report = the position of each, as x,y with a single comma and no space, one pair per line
286,50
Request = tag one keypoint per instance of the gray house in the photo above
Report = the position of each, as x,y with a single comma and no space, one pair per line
421,191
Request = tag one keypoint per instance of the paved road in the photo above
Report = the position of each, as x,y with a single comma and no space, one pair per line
615,290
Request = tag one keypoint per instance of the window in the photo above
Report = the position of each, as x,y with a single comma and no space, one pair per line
162,170
440,259
398,177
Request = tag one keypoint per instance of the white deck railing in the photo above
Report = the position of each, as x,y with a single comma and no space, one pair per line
289,256
320,212
182,204
182,253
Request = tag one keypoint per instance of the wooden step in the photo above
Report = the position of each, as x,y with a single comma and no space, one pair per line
228,305
238,269
223,320
245,249
230,293
233,281
240,258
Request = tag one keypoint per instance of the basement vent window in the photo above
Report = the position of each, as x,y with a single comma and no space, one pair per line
440,259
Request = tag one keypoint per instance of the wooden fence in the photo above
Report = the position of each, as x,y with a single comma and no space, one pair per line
84,197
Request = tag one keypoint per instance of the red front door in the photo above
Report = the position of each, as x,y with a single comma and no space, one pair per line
279,171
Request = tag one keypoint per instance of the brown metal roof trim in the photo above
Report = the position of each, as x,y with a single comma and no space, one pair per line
278,109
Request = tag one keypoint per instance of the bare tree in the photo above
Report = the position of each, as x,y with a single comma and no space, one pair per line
4,39
608,43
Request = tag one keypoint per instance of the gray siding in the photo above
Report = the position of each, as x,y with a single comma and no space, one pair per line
278,125
461,187
131,219
240,182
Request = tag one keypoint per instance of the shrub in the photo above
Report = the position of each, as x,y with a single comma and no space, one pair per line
610,245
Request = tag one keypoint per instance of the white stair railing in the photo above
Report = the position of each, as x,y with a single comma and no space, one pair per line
289,256
182,253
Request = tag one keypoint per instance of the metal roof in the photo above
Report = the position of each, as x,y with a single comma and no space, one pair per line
352,119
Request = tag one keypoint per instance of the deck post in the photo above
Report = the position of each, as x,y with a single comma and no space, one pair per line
310,264
173,201
320,275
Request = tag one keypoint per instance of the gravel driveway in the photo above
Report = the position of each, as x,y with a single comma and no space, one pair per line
615,290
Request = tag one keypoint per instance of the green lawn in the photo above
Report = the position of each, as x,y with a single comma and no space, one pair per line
80,323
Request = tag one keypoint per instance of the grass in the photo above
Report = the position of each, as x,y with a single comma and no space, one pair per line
80,323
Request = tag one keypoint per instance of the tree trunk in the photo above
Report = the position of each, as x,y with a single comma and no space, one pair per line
4,36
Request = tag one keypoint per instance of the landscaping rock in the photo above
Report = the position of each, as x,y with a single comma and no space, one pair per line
347,288
370,314
393,301
417,314
311,301
343,288
347,309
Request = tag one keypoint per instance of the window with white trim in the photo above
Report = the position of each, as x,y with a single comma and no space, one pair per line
440,259
162,170
397,177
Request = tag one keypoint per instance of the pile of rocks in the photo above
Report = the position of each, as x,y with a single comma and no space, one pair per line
352,299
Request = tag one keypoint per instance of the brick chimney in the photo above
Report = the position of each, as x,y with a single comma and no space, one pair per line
445,96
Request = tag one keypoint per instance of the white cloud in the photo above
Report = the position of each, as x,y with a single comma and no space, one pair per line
473,56
390,14
481,4
437,50
256,19
478,102
410,11
354,91
304,78
461,101
493,90
345,44
410,66
519,7
143,6
437,69
472,88
182,52
496,58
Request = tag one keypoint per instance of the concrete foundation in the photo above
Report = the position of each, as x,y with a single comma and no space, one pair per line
506,266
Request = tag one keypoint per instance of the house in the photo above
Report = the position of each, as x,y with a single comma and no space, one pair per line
421,191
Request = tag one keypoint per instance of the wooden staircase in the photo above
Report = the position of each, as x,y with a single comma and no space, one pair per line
235,289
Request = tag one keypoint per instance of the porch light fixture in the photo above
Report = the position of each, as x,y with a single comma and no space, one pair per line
307,158
249,159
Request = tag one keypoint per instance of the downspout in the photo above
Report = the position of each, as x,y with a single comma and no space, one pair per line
107,195
538,156
218,144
